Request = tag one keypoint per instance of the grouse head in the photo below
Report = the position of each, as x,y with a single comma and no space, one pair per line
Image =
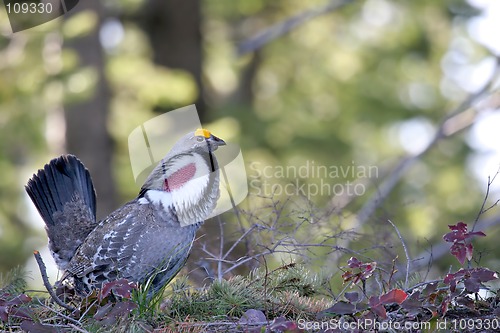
187,179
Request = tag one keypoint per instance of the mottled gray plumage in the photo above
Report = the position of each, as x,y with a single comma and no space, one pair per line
150,236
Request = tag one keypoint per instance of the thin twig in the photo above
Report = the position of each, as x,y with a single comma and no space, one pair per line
235,209
483,204
286,26
221,249
407,255
348,285
79,329
71,320
442,249
422,284
482,210
490,207
265,281
46,283
249,230
277,229
451,124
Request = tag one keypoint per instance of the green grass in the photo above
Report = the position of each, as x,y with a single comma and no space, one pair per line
287,291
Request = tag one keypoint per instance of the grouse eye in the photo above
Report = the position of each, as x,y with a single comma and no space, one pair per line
199,139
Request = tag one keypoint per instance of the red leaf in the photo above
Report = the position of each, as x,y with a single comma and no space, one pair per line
472,278
369,269
468,251
450,237
124,289
120,287
342,308
9,307
353,262
460,227
122,309
103,311
377,308
476,233
451,280
4,313
459,251
413,303
466,301
472,285
429,288
106,290
374,301
347,276
281,324
448,278
444,306
459,233
484,274
20,299
393,296
365,270
353,296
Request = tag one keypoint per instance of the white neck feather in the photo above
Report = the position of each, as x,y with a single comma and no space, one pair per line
189,200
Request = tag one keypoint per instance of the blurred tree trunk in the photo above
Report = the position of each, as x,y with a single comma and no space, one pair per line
87,134
174,31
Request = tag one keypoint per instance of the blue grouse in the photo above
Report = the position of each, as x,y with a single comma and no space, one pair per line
149,237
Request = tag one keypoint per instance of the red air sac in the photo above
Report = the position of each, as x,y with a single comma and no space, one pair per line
179,178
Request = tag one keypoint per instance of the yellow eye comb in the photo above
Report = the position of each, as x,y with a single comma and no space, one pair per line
202,132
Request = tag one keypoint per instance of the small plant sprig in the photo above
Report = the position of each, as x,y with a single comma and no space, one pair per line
431,300
360,271
461,248
472,278
114,301
11,307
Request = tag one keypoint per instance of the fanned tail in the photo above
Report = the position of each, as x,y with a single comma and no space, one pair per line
65,198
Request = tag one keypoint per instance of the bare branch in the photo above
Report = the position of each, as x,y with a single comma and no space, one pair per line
422,284
442,249
71,320
406,253
455,121
78,329
244,234
279,228
482,210
46,283
286,26
221,248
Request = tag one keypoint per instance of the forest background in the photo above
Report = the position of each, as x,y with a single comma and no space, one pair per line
398,100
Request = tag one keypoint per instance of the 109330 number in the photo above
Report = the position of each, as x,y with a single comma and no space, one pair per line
471,324
29,8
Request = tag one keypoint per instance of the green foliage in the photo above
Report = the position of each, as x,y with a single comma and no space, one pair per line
148,303
288,290
14,281
264,299
338,89
335,91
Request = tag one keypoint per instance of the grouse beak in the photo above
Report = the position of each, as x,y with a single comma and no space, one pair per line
214,142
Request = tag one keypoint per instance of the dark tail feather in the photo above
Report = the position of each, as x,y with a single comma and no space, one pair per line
65,198
57,184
